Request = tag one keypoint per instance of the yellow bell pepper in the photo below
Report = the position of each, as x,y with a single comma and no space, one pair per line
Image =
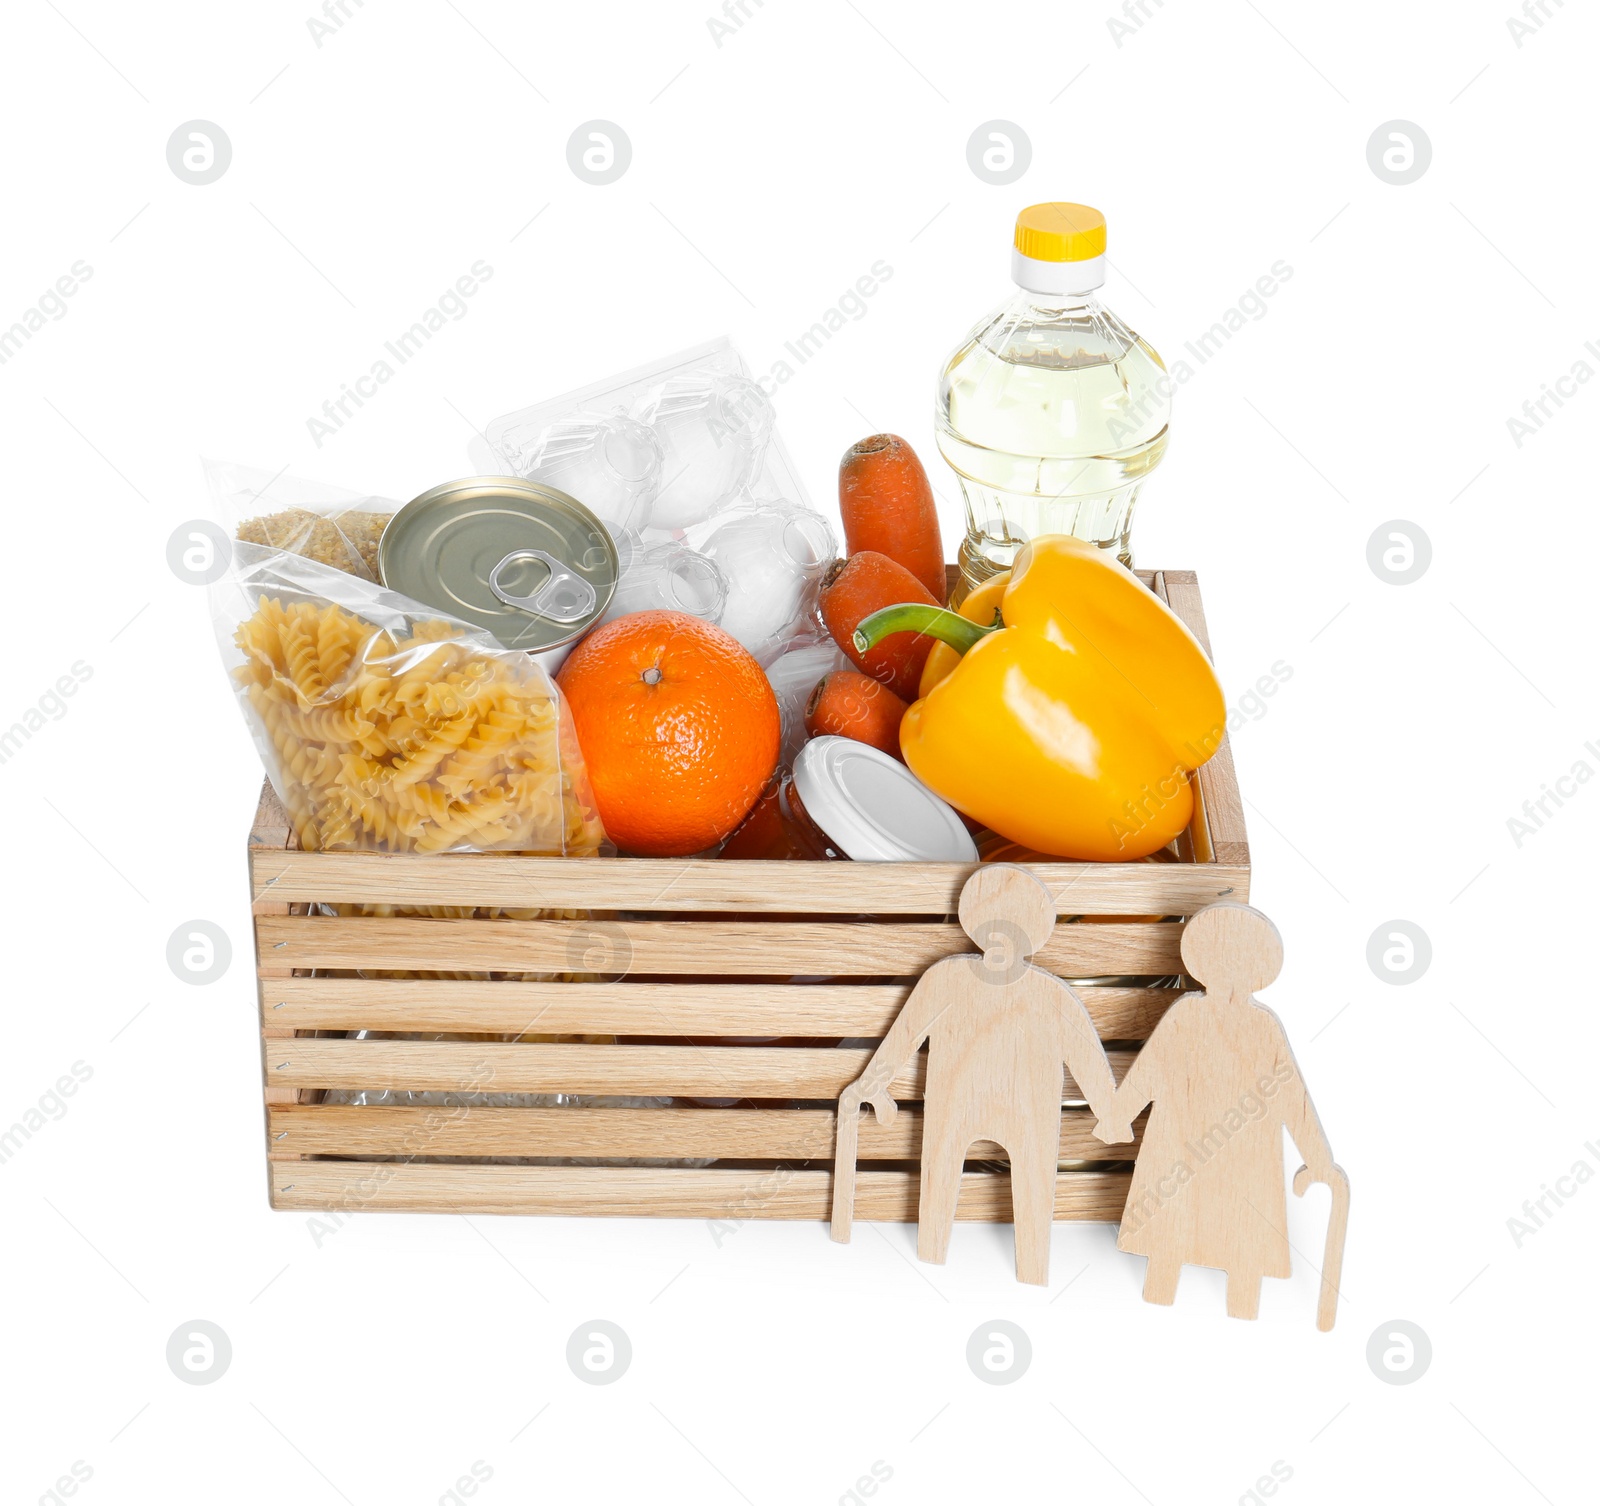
1073,721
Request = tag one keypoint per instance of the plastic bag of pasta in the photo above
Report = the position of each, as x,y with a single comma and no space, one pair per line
388,727
324,523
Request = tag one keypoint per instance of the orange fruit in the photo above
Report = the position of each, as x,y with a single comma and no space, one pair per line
679,728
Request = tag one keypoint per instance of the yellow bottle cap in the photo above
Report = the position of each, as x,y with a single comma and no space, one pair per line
1060,232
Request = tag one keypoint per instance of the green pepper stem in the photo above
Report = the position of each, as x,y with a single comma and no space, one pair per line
917,617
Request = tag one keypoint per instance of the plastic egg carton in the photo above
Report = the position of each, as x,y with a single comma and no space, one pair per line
507,441
681,459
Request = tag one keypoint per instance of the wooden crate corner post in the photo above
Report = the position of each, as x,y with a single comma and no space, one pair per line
270,834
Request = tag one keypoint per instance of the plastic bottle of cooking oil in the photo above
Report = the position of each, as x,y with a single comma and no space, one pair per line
1052,411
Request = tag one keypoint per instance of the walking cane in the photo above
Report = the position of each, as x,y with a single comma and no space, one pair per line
1333,1250
844,1171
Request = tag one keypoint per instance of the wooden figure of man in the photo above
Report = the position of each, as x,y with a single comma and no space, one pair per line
1000,1033
1222,1085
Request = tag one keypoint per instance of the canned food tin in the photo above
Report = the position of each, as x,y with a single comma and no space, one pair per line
527,563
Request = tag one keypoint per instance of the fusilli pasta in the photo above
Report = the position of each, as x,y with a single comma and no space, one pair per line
411,744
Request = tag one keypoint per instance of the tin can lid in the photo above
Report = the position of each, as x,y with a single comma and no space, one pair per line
528,563
875,808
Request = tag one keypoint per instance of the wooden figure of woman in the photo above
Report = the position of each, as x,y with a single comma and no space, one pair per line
1222,1086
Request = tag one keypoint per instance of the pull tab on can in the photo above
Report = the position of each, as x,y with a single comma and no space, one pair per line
564,597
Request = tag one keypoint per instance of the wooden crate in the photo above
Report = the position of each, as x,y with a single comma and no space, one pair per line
702,953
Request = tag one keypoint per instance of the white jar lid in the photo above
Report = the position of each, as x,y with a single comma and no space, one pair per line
875,808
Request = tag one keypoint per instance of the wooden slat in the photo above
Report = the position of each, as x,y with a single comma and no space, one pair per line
749,1134
659,1192
684,946
707,884
1219,785
666,1071
748,1009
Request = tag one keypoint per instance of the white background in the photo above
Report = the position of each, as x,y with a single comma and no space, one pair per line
768,174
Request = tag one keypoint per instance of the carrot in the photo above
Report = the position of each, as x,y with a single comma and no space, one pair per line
887,506
847,704
857,587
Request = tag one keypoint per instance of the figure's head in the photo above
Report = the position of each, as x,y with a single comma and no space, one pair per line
1006,911
1232,949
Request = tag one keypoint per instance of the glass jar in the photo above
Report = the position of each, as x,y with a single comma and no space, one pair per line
778,827
859,803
